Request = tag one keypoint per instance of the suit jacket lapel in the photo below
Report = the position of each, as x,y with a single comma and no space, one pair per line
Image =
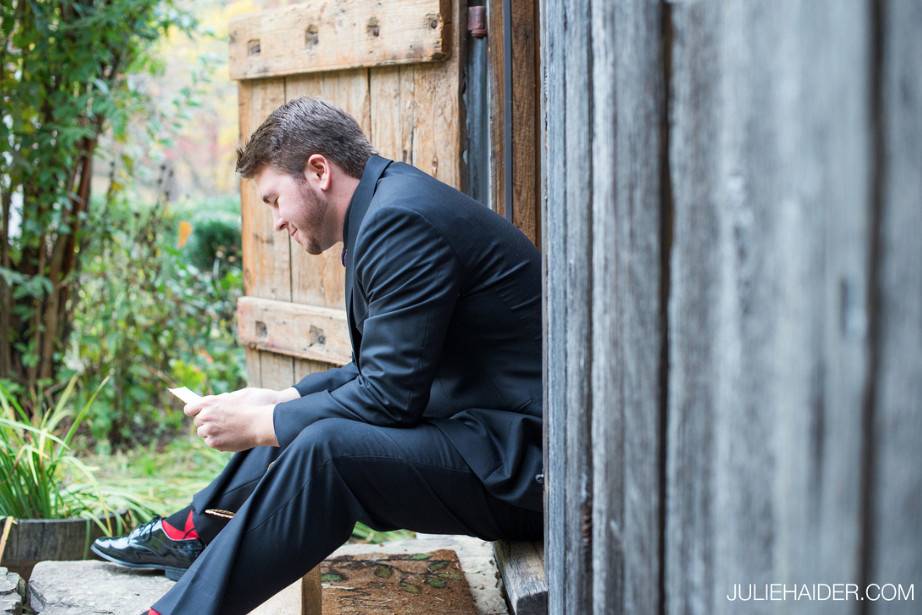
358,206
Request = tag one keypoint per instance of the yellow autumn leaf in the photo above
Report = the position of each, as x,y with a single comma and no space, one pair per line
185,229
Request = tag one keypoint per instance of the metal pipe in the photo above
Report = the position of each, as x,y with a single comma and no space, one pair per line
507,109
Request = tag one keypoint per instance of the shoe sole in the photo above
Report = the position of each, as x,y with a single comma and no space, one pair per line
171,572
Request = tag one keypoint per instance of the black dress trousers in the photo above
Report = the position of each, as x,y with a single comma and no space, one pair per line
295,505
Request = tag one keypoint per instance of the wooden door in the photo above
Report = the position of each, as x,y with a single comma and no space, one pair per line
398,67
394,66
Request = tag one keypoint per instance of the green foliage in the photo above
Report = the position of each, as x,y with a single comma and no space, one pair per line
65,68
153,320
164,478
215,243
36,454
216,240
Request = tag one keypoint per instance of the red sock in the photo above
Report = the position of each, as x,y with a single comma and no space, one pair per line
152,612
174,533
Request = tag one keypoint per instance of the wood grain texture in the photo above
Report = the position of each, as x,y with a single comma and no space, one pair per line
293,329
767,154
526,73
769,165
276,370
627,134
251,356
602,220
720,412
266,259
554,246
303,367
822,245
323,35
496,53
311,596
319,280
266,254
521,565
579,398
416,114
895,478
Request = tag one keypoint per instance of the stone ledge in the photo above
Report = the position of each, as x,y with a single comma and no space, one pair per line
99,588
83,587
12,592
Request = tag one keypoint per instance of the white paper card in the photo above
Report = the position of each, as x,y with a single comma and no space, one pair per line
185,394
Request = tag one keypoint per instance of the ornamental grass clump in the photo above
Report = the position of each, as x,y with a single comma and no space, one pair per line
42,478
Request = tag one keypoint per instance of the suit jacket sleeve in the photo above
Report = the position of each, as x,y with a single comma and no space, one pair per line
411,279
326,380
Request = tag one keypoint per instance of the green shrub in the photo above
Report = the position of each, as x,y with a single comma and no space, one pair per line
215,244
152,319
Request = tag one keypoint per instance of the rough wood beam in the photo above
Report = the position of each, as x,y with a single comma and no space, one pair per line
291,329
322,35
521,565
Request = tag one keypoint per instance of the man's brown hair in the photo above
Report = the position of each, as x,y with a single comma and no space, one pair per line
299,129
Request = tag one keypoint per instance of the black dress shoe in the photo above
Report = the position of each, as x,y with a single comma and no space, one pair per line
148,547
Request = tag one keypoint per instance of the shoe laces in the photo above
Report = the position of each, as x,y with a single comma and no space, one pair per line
144,531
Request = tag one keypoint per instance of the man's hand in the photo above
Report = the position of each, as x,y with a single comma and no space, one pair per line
240,420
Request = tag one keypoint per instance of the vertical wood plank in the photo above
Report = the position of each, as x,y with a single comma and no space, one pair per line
627,96
416,115
579,395
699,301
497,103
303,367
276,370
524,66
525,74
266,264
387,132
320,279
554,242
895,485
311,593
768,161
820,356
254,378
437,121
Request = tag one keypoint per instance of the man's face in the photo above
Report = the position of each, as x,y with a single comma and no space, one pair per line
297,208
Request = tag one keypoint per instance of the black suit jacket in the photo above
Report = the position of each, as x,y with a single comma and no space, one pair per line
444,308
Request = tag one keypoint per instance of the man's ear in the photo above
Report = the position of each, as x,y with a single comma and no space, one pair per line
318,171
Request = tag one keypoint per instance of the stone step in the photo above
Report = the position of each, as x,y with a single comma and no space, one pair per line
100,588
12,592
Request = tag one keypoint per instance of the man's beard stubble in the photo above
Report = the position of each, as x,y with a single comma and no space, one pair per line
315,211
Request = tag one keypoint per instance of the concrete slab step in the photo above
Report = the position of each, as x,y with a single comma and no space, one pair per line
12,592
100,588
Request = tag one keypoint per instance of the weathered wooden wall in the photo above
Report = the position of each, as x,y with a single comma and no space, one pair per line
731,214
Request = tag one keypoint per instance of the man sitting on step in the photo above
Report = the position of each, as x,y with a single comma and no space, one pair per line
435,426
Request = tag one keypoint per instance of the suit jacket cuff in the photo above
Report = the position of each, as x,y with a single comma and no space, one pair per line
312,383
326,380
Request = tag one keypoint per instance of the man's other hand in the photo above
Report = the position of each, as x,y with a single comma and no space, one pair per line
240,420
